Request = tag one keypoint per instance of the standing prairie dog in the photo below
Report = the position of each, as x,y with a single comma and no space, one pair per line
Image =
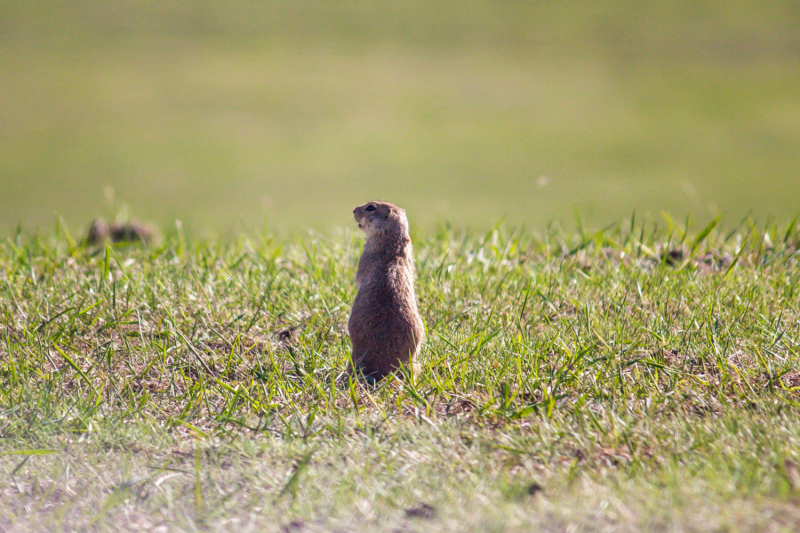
385,325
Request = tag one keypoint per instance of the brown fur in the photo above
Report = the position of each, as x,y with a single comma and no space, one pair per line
385,325
134,231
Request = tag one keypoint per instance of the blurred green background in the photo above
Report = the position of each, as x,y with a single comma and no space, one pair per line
230,115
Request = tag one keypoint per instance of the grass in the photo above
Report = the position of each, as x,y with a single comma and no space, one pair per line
639,377
227,114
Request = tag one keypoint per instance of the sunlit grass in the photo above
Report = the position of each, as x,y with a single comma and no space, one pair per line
643,376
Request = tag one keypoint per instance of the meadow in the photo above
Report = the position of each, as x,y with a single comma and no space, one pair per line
640,377
601,198
234,116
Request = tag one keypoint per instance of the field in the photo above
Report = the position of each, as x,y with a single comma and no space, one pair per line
603,199
639,377
227,115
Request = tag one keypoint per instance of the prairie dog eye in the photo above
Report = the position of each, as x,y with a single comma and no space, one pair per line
370,207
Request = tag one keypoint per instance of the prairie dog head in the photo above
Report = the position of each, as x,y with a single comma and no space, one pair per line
380,218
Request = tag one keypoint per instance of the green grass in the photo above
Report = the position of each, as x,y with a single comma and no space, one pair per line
227,114
644,377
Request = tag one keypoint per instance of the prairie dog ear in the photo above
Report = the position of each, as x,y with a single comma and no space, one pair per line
384,211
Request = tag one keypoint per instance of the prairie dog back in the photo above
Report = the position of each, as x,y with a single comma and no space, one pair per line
385,326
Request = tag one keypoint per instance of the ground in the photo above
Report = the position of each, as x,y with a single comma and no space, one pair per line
640,377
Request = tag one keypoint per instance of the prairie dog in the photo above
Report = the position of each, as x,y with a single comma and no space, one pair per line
385,326
134,231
